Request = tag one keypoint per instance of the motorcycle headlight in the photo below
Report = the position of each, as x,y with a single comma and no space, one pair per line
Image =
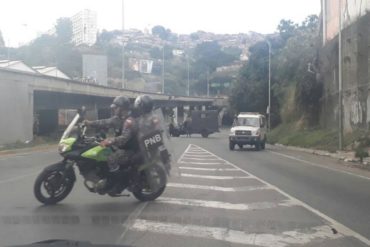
63,147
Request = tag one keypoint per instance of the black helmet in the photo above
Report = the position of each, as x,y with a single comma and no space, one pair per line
121,102
143,104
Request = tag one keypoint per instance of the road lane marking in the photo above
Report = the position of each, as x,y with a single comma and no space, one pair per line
225,205
208,169
188,175
192,158
182,155
198,155
334,224
217,188
321,166
238,237
18,177
131,219
202,163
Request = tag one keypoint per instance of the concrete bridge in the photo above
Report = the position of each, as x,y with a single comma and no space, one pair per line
24,95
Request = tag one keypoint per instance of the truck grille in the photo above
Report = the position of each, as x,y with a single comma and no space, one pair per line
243,132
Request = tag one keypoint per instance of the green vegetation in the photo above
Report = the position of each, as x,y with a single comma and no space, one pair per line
295,90
291,135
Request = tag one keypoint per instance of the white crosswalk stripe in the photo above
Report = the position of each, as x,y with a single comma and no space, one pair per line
225,205
192,158
217,188
195,159
203,163
211,177
238,237
208,169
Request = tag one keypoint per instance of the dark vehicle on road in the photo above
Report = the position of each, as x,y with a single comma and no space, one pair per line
202,122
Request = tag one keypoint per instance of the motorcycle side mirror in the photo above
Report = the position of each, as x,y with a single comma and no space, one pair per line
82,111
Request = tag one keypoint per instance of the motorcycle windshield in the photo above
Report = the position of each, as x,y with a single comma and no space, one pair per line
70,127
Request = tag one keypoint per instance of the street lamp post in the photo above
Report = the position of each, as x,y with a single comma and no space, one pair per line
269,103
163,70
123,45
340,82
207,82
187,55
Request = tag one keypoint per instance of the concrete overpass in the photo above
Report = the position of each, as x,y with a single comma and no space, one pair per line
22,94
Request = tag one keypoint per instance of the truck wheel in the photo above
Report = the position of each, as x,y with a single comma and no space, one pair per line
231,145
258,146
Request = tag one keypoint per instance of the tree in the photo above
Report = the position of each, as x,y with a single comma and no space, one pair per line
155,53
63,29
293,49
2,43
286,28
105,37
161,32
210,56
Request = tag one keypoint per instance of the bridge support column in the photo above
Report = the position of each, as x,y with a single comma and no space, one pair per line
48,121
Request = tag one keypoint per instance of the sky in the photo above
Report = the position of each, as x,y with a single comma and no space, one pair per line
23,20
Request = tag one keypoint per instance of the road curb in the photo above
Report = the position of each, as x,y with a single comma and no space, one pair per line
45,147
346,157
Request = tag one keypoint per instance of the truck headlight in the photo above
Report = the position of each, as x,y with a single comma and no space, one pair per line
257,133
232,132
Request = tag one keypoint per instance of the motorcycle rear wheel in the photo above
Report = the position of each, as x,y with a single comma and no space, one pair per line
153,177
51,183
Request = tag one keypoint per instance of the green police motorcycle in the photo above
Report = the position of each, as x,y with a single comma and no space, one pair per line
145,177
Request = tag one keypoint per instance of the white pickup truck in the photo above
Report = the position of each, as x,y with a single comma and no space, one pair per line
249,128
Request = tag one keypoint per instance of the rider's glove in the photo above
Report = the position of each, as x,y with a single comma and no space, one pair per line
106,143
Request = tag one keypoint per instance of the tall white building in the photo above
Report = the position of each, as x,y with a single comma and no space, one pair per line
84,26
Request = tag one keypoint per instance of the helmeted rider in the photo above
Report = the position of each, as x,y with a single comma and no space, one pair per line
149,122
127,144
120,108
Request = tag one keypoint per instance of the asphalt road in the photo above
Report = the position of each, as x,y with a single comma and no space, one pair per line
215,197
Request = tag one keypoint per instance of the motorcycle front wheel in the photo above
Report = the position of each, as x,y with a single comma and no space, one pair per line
152,185
52,186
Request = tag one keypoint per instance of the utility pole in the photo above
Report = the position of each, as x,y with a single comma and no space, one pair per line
187,55
207,82
123,44
163,70
340,82
269,93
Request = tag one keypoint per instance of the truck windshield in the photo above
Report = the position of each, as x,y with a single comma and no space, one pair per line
245,121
